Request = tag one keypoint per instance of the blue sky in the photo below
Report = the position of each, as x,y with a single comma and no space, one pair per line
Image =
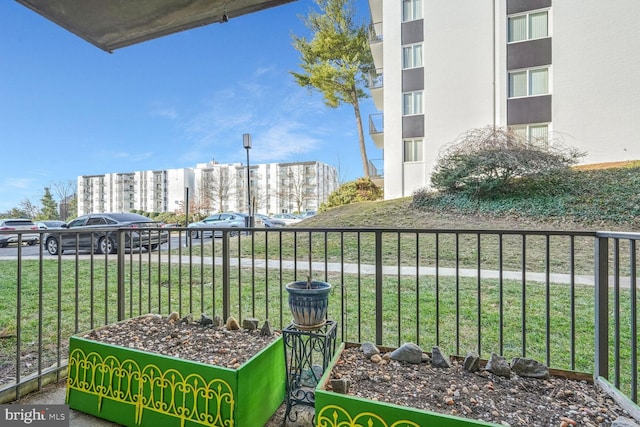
68,108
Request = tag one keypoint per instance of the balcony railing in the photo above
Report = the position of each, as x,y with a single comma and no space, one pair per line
567,299
375,79
375,32
376,123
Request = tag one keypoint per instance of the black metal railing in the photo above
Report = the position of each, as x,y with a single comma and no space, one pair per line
376,123
568,299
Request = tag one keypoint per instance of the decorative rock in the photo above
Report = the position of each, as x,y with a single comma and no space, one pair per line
526,367
250,324
369,349
426,358
376,358
341,385
232,324
266,330
205,320
624,422
217,321
300,416
498,365
153,316
310,377
173,316
408,352
187,319
439,360
471,362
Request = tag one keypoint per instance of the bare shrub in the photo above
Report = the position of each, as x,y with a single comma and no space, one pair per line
486,160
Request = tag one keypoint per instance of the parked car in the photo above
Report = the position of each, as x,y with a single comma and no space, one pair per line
287,218
50,223
308,214
219,220
18,224
268,221
98,232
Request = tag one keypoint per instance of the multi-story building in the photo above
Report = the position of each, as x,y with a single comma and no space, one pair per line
211,187
550,70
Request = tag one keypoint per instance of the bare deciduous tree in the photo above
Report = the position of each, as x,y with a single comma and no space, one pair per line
295,187
65,191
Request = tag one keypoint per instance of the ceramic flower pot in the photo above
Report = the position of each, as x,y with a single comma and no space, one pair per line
308,302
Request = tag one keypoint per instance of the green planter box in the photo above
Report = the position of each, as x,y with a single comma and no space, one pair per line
335,409
137,388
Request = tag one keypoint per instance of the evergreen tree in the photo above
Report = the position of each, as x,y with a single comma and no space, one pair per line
49,206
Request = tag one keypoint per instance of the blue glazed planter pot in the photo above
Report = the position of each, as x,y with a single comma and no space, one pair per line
308,302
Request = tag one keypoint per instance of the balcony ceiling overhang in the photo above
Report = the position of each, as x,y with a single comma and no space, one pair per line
113,24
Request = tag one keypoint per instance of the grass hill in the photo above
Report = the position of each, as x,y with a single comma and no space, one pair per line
587,198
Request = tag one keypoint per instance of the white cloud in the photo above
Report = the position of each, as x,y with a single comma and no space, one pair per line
159,110
17,183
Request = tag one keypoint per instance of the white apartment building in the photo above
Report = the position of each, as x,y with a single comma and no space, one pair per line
211,187
556,69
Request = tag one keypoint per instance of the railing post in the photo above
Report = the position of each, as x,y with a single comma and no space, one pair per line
121,270
226,276
601,293
379,276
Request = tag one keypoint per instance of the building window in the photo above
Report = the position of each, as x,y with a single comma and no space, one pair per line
529,82
413,150
536,134
412,103
528,26
411,10
412,56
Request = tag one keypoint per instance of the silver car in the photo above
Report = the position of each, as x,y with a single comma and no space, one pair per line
50,223
21,224
219,220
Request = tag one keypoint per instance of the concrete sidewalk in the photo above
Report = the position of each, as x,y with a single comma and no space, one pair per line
55,394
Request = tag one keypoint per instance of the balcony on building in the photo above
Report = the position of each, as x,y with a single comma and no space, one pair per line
376,172
376,86
376,129
375,43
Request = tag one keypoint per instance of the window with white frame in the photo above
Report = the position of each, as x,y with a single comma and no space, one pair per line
412,103
528,26
536,134
412,56
413,150
411,10
530,82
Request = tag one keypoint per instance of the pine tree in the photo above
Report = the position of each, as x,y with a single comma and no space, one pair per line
49,206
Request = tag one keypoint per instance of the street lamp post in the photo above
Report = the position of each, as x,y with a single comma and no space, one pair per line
246,143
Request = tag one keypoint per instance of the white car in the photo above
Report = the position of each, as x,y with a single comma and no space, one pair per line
18,224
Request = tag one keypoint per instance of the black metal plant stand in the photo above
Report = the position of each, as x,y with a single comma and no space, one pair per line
304,349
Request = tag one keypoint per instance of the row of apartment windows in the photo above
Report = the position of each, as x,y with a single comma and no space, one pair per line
534,81
530,82
412,102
